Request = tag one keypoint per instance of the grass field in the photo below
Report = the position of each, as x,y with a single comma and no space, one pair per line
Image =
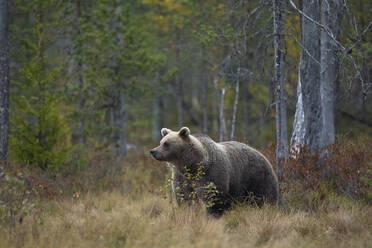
149,220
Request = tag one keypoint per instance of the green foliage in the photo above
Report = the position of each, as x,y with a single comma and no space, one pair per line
39,134
72,60
114,45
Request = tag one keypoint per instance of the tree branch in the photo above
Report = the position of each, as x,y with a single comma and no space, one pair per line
345,50
355,118
325,28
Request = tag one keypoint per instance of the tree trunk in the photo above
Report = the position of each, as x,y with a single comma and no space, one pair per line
79,69
179,90
4,81
180,101
236,101
111,138
222,116
158,117
204,101
120,117
122,125
298,134
246,99
158,114
329,63
309,82
281,115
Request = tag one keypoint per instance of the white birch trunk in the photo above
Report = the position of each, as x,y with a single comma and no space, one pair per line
215,104
309,82
298,134
236,101
222,116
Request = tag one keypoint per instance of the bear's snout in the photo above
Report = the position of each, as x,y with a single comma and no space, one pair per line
155,154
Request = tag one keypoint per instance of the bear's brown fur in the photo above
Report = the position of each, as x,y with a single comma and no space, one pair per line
217,173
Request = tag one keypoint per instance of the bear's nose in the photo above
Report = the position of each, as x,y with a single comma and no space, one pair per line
152,152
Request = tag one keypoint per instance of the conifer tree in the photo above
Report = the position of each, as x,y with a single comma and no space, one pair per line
39,134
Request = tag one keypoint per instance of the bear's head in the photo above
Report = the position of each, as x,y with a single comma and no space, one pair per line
172,145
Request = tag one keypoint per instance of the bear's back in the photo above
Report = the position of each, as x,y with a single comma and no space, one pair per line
252,171
216,154
206,141
246,168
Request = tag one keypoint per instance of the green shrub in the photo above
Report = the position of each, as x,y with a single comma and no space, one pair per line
39,133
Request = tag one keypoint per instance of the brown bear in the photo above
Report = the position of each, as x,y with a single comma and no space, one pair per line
217,173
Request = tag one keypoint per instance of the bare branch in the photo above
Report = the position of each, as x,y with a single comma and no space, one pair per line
325,28
303,48
345,50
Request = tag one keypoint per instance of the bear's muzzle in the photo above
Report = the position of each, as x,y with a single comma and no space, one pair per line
155,154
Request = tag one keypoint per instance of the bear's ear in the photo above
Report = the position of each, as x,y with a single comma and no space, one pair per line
184,132
165,131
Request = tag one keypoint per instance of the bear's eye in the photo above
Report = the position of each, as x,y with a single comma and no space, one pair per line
166,144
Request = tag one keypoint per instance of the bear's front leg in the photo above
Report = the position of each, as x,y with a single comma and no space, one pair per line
218,205
215,200
183,192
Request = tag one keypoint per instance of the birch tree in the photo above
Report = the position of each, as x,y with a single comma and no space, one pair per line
4,80
222,116
236,101
281,115
308,119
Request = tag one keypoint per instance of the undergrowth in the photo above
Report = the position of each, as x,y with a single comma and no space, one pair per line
341,168
126,203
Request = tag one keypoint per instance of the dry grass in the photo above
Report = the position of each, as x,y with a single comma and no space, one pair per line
113,220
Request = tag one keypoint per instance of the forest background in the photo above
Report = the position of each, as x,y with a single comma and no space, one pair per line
91,83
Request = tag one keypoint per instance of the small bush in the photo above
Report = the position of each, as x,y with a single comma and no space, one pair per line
340,167
40,134
16,197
